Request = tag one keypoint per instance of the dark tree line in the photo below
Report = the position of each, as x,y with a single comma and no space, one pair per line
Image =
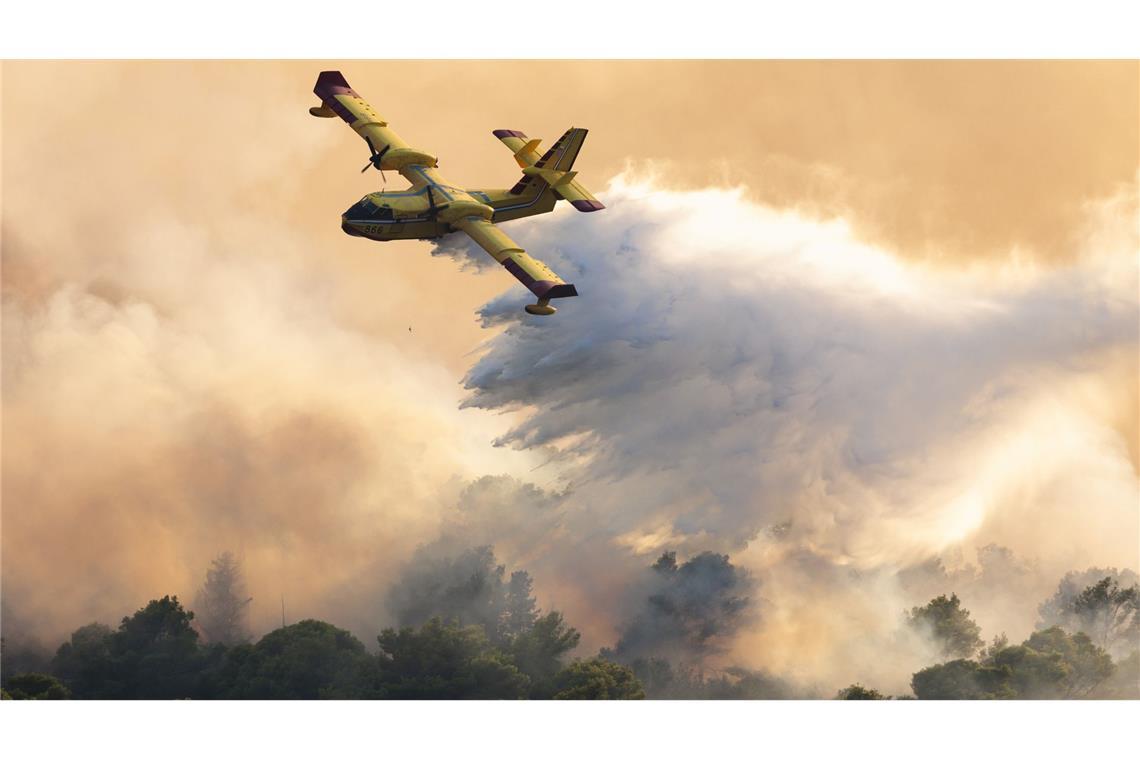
468,629
474,636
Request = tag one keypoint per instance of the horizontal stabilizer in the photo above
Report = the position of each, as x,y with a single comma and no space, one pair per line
553,168
525,149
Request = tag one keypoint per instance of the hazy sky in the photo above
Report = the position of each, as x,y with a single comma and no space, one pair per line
892,305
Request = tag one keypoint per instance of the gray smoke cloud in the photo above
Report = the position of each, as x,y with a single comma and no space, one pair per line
467,588
750,381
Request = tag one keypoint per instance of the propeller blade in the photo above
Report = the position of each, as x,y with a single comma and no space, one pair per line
374,159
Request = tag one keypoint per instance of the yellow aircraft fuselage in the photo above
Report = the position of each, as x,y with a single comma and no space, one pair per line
427,211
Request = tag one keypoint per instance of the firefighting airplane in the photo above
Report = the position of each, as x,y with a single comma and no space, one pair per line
432,207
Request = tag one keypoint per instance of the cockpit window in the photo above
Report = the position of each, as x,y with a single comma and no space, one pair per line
367,210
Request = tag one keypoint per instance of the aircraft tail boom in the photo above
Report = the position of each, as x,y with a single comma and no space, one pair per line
554,167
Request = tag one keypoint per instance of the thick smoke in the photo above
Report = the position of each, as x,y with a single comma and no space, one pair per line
468,588
189,368
689,612
743,380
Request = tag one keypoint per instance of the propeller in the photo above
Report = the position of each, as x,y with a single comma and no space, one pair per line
376,157
433,212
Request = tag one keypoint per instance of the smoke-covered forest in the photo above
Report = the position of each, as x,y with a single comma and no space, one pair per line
469,629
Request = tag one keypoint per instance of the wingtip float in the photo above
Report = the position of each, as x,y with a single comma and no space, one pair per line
433,207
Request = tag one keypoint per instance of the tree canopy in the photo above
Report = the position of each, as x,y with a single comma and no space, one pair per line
154,654
1050,664
597,678
538,651
857,691
1109,613
446,661
951,627
307,660
35,686
1101,602
85,662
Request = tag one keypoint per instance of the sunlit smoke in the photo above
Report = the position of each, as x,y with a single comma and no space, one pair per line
741,379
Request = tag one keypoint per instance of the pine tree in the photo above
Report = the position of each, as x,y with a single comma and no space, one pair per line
519,612
222,605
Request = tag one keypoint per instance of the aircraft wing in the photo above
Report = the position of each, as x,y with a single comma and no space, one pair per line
539,278
389,151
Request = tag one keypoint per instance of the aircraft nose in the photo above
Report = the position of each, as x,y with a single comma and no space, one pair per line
344,225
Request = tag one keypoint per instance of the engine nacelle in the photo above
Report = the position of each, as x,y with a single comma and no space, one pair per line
398,158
